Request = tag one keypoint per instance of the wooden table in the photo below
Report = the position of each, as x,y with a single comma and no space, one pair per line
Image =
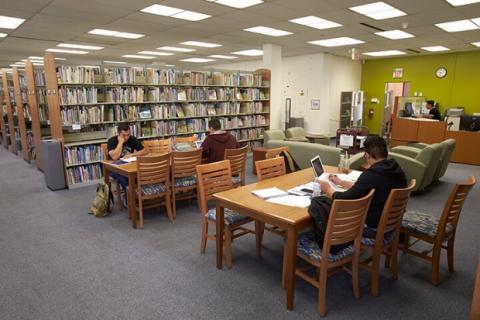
128,170
291,219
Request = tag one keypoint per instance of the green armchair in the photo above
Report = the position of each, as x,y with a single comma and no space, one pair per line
296,134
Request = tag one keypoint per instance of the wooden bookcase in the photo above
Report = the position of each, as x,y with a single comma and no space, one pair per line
3,119
10,112
173,103
21,104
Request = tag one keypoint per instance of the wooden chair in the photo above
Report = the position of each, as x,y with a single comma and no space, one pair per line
272,153
159,146
212,178
387,234
116,185
184,175
190,139
476,297
434,231
238,163
345,225
153,184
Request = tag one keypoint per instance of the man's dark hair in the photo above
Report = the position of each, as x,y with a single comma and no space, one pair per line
376,147
214,124
431,102
123,127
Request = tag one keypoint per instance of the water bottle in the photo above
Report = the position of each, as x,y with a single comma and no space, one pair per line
341,164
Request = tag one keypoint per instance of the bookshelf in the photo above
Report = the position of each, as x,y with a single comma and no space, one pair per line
23,112
10,112
3,119
87,103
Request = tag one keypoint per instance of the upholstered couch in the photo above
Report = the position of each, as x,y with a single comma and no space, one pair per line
302,152
296,134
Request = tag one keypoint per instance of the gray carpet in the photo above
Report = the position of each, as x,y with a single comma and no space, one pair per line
58,262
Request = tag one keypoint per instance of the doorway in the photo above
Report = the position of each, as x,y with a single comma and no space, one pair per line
392,90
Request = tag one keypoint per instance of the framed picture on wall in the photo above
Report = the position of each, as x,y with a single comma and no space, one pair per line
315,104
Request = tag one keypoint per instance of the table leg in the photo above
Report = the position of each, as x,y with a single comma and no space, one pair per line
291,260
131,199
106,175
219,234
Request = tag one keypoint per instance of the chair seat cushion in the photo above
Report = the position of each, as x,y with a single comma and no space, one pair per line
309,247
370,242
185,182
236,179
230,216
423,223
152,189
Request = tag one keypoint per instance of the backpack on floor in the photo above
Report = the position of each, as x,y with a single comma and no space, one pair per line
102,203
290,164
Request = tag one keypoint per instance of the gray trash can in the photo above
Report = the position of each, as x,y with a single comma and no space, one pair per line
52,159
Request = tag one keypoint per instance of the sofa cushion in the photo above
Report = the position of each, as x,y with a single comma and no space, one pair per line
185,182
236,179
230,216
308,246
423,223
149,190
370,242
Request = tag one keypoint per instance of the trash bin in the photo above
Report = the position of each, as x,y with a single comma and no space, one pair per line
52,160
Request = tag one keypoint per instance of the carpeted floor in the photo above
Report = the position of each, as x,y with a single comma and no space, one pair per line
58,262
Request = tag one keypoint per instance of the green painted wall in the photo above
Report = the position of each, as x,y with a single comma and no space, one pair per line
460,87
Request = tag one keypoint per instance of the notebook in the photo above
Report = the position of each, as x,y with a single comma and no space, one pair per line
269,193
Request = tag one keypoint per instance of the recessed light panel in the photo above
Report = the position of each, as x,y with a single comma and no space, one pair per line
221,56
10,22
239,4
316,22
3,35
435,48
268,31
395,34
336,42
201,44
78,46
177,49
457,3
384,53
476,44
456,26
135,56
67,51
249,53
114,62
117,34
156,53
173,12
378,10
198,60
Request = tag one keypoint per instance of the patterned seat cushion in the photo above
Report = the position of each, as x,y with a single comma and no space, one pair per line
370,242
309,247
185,182
423,223
152,189
236,179
230,216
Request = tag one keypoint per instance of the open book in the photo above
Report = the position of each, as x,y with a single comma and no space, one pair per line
130,159
269,193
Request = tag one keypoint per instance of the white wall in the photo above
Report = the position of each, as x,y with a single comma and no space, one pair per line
317,76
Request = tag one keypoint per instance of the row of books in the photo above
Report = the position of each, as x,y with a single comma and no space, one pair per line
160,128
42,96
83,154
84,173
78,95
39,78
22,80
242,121
248,134
130,94
26,112
76,74
43,113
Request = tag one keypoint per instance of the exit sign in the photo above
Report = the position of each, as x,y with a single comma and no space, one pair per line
398,73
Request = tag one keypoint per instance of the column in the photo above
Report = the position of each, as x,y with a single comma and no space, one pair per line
272,59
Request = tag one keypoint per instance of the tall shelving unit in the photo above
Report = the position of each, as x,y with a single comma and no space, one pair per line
23,115
10,111
86,104
3,119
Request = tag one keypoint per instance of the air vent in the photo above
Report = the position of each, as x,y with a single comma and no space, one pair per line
413,51
371,27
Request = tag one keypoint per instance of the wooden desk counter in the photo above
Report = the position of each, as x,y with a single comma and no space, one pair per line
467,147
406,130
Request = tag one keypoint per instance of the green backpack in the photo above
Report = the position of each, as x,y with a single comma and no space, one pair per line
103,201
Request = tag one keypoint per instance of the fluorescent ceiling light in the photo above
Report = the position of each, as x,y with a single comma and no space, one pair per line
135,56
169,65
41,58
384,53
201,44
156,53
476,44
114,62
67,51
197,60
268,31
19,63
3,35
239,4
457,3
378,10
316,22
173,12
177,49
37,63
250,52
435,48
10,22
78,46
221,56
456,26
395,34
336,42
117,34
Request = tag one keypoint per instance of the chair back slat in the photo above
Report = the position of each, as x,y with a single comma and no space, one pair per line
104,148
159,146
345,222
190,139
270,168
184,163
154,169
212,178
238,161
275,152
454,205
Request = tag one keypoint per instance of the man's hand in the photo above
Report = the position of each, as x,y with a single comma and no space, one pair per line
121,140
326,188
335,179
128,156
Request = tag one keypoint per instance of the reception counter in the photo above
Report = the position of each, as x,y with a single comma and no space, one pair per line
406,130
467,149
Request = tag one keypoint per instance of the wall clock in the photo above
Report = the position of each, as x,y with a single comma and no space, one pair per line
441,72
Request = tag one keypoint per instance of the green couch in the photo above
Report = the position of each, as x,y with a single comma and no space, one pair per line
296,134
302,152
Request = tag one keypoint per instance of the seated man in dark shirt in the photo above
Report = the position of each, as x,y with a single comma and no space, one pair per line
433,110
382,175
123,145
217,141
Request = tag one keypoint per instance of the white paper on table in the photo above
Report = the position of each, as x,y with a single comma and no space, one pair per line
292,201
298,189
346,140
269,193
131,159
325,177
352,176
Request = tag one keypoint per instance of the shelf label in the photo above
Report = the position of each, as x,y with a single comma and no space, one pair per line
76,127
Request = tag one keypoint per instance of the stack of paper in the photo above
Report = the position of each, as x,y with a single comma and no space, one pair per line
131,159
269,193
291,200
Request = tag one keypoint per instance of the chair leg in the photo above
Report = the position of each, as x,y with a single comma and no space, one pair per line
140,213
394,251
284,285
355,277
259,230
436,265
118,197
373,275
450,246
168,203
174,204
322,291
203,241
228,246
